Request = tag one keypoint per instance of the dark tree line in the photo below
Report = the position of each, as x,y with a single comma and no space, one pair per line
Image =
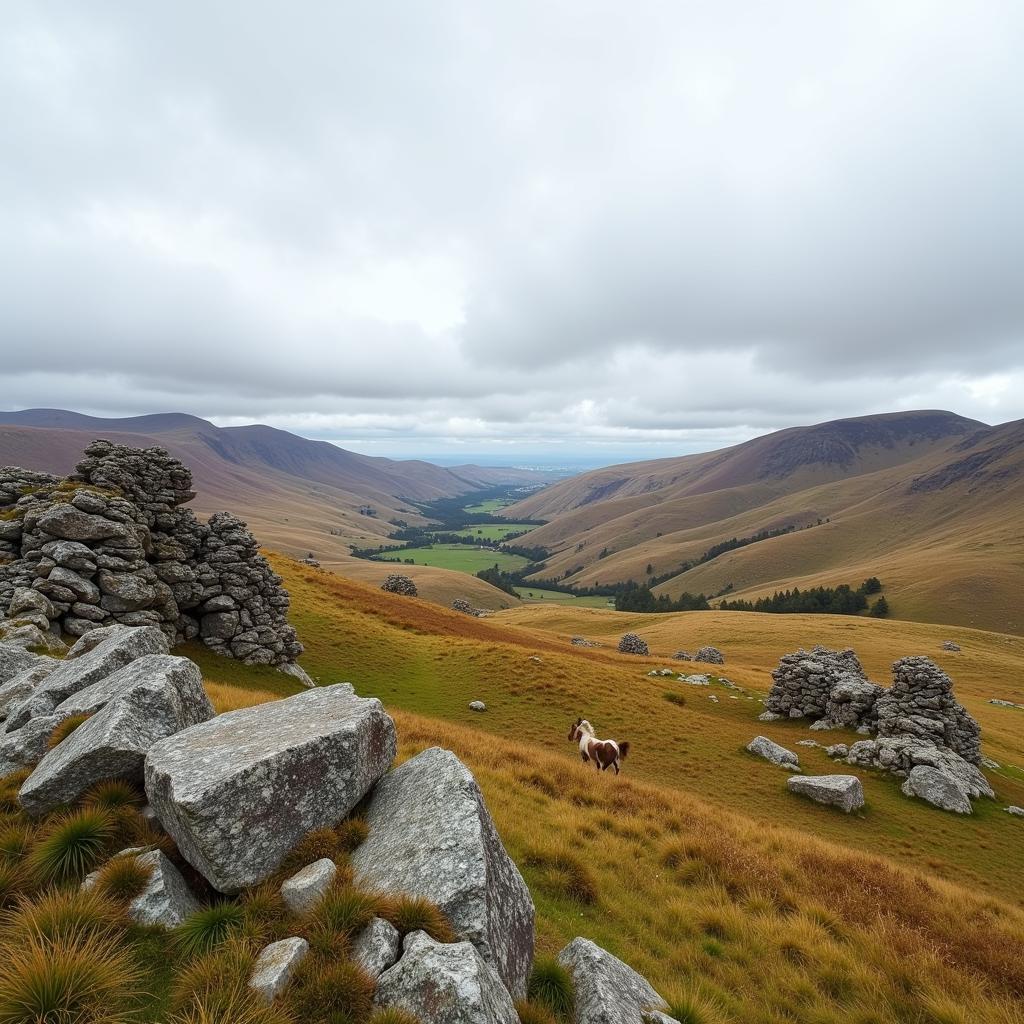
841,600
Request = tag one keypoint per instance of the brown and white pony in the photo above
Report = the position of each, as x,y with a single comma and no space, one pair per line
604,753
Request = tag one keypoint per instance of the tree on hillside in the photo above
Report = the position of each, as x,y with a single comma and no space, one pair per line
872,585
880,609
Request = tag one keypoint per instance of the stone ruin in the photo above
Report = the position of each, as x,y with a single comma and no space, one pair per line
113,544
710,656
922,733
232,794
397,583
633,644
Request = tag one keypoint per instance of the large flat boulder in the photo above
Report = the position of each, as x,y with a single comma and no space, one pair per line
607,990
774,752
26,746
166,899
445,984
14,659
113,743
19,687
236,793
431,835
117,649
842,791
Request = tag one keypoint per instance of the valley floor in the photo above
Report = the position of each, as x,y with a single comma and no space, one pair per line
696,864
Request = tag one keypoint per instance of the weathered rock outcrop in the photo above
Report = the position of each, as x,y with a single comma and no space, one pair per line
445,984
630,643
803,681
20,687
607,990
166,899
843,791
236,793
150,699
113,544
937,788
431,835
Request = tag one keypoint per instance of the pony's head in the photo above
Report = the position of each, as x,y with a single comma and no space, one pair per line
580,728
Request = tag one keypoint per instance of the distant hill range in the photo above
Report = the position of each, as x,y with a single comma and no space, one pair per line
930,502
297,495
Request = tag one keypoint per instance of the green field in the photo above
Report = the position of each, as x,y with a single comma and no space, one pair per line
530,594
492,506
462,557
493,532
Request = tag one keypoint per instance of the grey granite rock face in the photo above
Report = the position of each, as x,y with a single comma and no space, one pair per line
19,687
306,888
182,674
14,660
275,966
772,751
236,793
843,791
113,743
116,651
607,990
937,788
377,947
166,900
431,835
445,984
26,746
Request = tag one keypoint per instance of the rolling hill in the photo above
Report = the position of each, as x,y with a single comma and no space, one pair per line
298,495
927,501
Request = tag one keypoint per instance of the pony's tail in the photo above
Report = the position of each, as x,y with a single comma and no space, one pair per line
623,749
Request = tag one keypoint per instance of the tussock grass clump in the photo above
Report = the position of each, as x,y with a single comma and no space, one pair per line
83,980
13,878
674,698
121,879
266,917
392,1015
9,786
314,846
351,833
331,992
550,984
212,976
345,911
113,795
71,845
534,1013
208,928
65,729
561,874
15,841
235,1005
61,915
416,914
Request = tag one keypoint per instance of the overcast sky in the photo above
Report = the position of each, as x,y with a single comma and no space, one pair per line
611,228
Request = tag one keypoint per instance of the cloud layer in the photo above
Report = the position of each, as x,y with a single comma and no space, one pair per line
401,224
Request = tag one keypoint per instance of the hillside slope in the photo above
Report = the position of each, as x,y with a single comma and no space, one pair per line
926,501
297,495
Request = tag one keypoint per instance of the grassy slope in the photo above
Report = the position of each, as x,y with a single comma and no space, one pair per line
425,659
695,865
467,558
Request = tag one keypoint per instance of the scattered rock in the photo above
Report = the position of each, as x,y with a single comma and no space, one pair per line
771,751
808,743
431,835
683,656
397,583
306,888
950,645
445,984
477,705
1005,704
633,644
607,990
938,788
837,750
582,641
296,671
377,947
842,791
770,716
1017,812
711,655
460,604
166,900
236,793
275,966
697,679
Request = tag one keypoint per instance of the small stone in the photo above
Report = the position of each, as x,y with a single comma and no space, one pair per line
377,947
837,750
166,900
477,705
275,966
306,888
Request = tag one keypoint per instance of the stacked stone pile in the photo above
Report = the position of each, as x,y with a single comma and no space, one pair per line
804,680
397,583
237,792
112,544
709,655
633,644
